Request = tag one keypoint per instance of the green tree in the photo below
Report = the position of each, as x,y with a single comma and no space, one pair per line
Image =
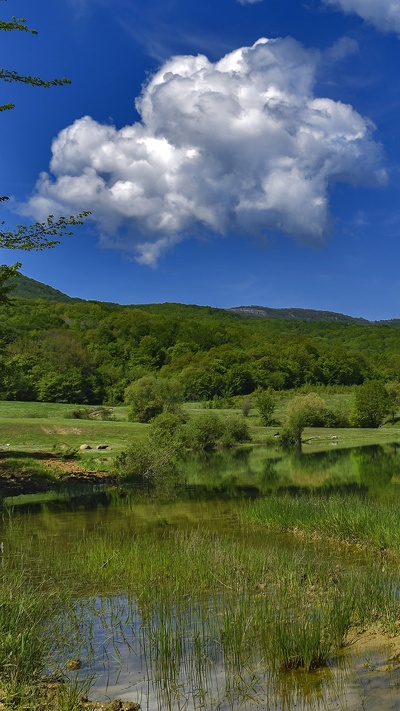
393,397
371,404
150,396
235,431
310,409
204,431
207,431
167,430
39,235
145,463
66,386
303,411
265,403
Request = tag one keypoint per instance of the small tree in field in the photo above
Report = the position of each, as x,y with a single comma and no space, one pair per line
246,407
371,404
265,402
393,397
303,411
154,466
150,396
203,432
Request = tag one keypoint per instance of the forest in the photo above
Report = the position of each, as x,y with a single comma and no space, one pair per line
90,352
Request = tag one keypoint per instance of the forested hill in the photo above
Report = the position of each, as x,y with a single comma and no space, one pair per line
27,288
296,314
87,351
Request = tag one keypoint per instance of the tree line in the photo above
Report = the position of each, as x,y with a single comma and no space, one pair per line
92,352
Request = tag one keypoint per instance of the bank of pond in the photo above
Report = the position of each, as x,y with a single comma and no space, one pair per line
270,581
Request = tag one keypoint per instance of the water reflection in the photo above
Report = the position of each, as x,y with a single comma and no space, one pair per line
164,660
253,471
371,469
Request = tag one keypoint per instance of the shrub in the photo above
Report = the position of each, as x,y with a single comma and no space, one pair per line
167,430
204,431
236,430
265,402
304,411
207,431
246,407
150,396
145,463
371,404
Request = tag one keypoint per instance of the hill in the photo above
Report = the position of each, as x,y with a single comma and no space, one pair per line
27,288
298,314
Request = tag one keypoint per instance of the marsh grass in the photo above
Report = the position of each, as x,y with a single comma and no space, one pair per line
24,611
193,606
349,519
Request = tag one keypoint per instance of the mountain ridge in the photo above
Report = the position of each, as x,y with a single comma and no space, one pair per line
28,288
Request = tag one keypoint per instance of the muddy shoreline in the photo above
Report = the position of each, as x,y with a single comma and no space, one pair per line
58,476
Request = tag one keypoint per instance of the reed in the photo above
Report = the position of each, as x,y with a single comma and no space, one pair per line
188,603
351,519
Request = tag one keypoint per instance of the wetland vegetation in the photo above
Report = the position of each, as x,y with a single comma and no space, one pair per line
204,598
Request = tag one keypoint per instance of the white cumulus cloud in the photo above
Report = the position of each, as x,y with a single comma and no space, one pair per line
383,14
241,145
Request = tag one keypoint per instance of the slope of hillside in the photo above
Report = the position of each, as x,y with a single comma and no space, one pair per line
27,288
296,314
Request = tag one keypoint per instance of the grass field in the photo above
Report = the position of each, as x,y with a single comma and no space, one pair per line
32,428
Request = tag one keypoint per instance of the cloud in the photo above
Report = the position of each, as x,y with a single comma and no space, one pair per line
248,2
383,14
342,48
241,145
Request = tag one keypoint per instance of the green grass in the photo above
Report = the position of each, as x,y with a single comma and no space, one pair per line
46,427
259,605
349,519
255,606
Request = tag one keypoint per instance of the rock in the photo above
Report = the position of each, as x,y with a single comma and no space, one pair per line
85,446
102,446
73,664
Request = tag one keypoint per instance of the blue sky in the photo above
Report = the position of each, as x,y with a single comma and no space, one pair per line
231,152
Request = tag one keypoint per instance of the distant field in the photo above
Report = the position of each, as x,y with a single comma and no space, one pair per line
31,427
37,428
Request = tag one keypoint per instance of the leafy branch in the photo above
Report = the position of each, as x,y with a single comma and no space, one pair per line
40,235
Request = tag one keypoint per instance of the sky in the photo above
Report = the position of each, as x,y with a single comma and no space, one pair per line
238,152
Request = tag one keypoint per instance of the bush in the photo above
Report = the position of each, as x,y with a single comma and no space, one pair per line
145,463
265,402
309,410
246,407
304,411
371,404
150,396
167,430
236,430
207,431
203,432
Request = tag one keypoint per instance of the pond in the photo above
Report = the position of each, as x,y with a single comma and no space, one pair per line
176,603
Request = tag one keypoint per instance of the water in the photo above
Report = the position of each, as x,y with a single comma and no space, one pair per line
118,635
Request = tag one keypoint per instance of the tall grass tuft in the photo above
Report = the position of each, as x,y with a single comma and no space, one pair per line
351,519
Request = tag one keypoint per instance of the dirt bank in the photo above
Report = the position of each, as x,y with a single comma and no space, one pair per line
55,474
